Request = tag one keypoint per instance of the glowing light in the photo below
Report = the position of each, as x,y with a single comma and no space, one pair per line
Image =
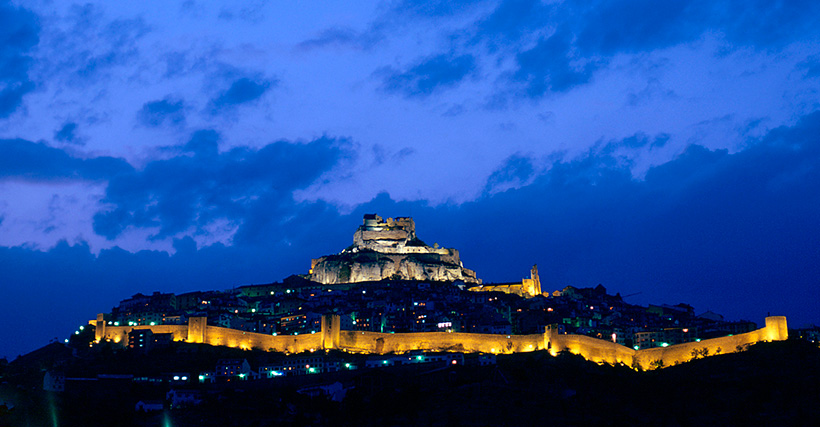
697,339
176,377
153,323
241,375
184,378
76,332
636,347
202,377
664,344
66,340
685,330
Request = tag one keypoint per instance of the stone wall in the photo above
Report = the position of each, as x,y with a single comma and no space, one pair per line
379,343
331,337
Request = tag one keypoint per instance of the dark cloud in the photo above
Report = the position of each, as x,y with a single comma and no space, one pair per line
512,21
640,25
251,12
67,133
341,36
435,8
552,66
19,33
90,48
514,172
113,45
236,186
21,159
765,24
428,75
161,112
559,46
241,91
810,67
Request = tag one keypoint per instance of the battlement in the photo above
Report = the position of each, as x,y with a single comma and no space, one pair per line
375,233
389,249
331,337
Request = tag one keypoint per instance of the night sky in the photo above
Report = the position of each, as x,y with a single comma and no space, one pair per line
668,149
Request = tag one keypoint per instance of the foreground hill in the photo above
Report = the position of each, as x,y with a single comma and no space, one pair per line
768,384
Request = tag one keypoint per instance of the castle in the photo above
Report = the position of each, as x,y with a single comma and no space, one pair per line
526,288
389,249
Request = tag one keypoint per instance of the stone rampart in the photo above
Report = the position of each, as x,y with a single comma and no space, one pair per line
331,337
379,343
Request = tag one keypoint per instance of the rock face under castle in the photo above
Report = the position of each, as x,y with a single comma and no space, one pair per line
389,249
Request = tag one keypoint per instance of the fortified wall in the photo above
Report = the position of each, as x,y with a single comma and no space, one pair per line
389,249
332,337
528,288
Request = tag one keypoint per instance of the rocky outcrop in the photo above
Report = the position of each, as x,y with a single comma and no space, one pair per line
390,250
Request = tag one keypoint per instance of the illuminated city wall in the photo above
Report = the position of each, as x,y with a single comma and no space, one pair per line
216,335
119,334
594,349
330,337
375,342
775,330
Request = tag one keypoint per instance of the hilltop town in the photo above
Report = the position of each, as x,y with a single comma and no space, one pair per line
388,301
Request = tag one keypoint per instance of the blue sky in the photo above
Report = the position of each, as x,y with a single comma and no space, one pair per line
668,149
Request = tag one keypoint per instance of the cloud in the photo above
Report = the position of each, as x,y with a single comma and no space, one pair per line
341,36
428,75
67,133
810,67
187,191
33,161
512,22
552,66
515,172
161,112
555,47
242,91
94,49
19,33
435,8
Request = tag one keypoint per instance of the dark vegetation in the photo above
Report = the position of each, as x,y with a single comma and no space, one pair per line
768,384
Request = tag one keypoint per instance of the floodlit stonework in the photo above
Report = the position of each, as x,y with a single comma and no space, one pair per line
527,288
389,249
331,337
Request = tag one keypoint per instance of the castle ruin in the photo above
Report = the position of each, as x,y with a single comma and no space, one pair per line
389,249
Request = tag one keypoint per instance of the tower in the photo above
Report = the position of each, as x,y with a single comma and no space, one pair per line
536,281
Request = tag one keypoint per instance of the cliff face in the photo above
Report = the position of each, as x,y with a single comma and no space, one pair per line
390,250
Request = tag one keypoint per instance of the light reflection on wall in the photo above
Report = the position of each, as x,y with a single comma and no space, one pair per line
331,337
